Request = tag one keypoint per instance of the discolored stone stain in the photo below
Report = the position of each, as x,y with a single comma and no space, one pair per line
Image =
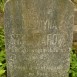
33,37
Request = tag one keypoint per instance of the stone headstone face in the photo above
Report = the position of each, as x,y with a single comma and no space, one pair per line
38,37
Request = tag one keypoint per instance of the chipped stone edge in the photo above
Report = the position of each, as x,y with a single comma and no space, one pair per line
7,1
71,2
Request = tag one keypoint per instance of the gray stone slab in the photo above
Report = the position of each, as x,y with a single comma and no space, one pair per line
38,37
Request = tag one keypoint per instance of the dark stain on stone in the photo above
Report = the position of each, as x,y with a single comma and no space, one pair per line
33,37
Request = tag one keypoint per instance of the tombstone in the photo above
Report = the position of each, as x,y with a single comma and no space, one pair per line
38,37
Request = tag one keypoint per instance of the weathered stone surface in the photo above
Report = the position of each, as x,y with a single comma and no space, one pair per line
38,37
